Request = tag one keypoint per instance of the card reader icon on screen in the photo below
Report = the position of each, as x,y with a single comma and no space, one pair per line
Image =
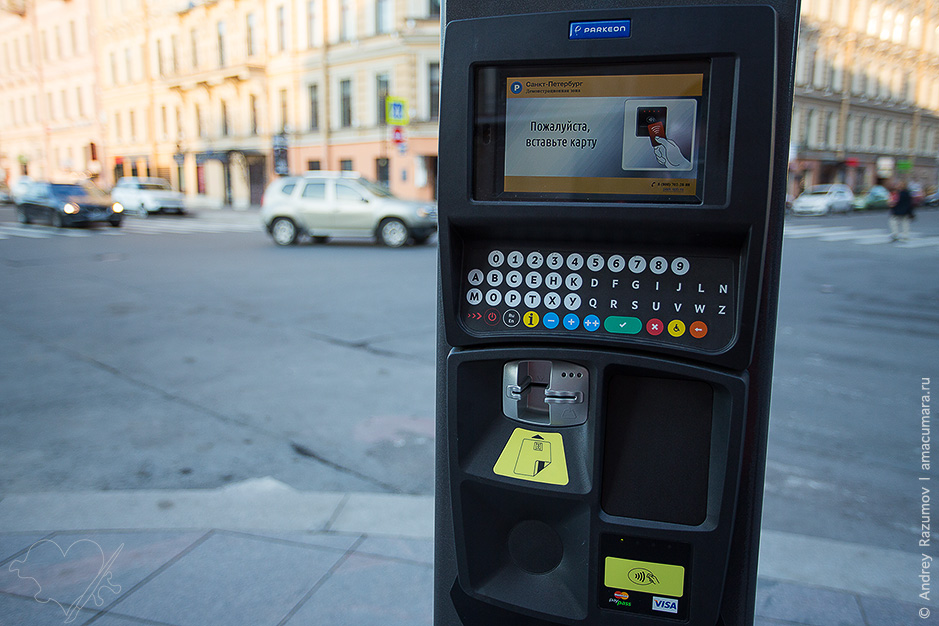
550,393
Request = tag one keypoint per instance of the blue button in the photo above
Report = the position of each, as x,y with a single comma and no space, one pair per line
571,321
551,320
591,322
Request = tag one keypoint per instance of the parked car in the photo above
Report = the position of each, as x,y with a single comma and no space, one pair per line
824,199
5,197
877,198
67,204
147,195
343,204
932,199
916,193
19,187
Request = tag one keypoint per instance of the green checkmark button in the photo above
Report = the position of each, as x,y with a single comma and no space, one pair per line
622,325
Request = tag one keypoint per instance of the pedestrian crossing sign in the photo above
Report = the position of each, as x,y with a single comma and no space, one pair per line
396,111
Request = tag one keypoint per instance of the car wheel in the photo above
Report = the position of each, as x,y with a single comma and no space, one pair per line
284,231
393,233
320,239
115,223
21,215
57,220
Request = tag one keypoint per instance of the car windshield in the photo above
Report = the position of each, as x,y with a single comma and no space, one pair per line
378,190
155,186
67,190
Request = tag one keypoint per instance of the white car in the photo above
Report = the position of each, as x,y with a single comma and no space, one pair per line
824,199
19,187
144,196
343,204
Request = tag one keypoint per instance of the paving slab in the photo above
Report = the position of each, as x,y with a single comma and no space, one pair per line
92,569
230,580
366,590
806,605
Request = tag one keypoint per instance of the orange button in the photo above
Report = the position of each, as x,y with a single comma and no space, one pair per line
698,329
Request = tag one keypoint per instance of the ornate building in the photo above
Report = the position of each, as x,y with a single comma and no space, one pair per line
867,93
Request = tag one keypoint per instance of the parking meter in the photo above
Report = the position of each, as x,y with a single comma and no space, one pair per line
611,193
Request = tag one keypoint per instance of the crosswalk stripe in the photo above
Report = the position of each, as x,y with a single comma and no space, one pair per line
25,231
862,236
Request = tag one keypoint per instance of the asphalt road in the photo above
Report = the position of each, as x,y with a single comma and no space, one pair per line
193,353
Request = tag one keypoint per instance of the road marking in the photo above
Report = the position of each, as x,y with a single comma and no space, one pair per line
862,236
129,228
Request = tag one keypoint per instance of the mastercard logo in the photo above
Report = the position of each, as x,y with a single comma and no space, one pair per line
621,595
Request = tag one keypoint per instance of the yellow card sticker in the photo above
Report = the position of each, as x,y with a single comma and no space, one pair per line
533,456
668,580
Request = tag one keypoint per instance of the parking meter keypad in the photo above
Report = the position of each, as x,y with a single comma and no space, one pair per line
681,300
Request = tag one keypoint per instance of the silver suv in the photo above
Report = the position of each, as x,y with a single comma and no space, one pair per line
342,204
147,195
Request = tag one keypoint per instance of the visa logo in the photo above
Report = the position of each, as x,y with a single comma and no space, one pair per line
667,605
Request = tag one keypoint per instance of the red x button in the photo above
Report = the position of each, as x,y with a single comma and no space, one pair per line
655,326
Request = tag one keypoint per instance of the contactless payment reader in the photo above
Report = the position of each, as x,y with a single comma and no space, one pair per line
611,194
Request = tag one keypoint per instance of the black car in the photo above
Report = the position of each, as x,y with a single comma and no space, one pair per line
67,204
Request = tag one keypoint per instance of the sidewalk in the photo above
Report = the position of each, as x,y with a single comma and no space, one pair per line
263,554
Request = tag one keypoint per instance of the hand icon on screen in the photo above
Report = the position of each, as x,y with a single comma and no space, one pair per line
668,153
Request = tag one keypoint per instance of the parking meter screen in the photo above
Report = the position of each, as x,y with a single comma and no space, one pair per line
596,136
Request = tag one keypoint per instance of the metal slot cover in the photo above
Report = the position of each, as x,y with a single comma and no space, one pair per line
550,393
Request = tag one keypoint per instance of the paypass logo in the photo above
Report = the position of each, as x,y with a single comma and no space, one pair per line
666,605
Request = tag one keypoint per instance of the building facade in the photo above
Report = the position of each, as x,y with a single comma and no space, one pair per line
201,92
866,106
49,98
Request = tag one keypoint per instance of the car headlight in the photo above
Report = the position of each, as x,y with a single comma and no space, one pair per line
117,207
70,208
427,211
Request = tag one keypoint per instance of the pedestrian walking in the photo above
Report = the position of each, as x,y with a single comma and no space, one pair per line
901,214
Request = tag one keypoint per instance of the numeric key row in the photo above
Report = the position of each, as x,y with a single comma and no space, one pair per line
595,262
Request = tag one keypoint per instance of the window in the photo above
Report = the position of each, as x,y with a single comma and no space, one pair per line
117,126
382,90
283,110
224,115
200,128
434,8
194,42
163,122
58,43
159,57
220,36
345,165
79,102
383,18
382,171
253,105
132,125
345,103
345,20
174,45
347,193
73,37
314,107
434,80
51,106
179,125
288,188
311,23
313,166
128,66
250,36
315,190
281,29
64,104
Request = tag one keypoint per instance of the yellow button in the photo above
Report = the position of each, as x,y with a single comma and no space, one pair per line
530,319
676,328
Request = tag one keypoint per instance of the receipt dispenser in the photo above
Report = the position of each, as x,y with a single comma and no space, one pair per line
611,192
